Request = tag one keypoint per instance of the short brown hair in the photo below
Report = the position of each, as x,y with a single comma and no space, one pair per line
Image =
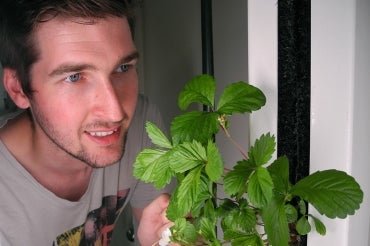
18,19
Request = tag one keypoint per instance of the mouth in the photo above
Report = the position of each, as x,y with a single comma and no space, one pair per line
102,133
104,137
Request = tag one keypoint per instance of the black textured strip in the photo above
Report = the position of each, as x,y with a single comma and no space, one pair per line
294,86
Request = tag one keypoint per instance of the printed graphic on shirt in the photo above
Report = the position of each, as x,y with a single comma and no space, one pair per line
98,227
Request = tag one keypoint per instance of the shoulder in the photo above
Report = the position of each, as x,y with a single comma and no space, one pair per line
145,107
146,111
8,116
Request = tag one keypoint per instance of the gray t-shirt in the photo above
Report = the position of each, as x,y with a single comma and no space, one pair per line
32,215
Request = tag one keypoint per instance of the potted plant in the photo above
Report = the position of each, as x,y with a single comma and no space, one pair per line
262,206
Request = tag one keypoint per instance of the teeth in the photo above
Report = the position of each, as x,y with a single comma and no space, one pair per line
101,134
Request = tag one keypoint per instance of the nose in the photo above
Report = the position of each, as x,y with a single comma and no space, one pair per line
107,102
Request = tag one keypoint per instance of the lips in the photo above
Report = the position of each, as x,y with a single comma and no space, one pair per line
104,137
102,133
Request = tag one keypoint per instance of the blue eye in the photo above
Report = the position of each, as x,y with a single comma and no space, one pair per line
123,68
73,78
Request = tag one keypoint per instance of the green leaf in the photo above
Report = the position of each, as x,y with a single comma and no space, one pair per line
303,227
188,191
200,89
239,238
187,156
208,229
163,173
228,220
225,206
240,97
157,136
291,213
302,207
332,192
214,167
279,171
143,166
260,187
209,210
235,181
184,232
194,125
243,239
261,152
320,227
203,196
246,219
172,213
152,165
239,218
276,224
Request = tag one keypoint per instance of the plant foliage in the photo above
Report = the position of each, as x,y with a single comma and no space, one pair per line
262,204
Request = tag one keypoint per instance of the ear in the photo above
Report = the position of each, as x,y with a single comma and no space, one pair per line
14,88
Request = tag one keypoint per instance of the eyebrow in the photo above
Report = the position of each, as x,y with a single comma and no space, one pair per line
70,67
131,57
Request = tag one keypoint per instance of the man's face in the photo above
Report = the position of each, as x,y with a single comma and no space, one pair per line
85,87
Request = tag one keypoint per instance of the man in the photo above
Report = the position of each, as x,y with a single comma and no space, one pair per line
70,65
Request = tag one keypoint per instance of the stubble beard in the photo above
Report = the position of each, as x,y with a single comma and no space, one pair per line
61,143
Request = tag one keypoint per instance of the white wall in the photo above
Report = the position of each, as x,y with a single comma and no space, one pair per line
262,50
340,120
361,122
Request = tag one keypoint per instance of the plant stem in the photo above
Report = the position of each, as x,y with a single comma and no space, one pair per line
228,135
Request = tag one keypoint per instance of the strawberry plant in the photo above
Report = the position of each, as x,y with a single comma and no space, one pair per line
262,206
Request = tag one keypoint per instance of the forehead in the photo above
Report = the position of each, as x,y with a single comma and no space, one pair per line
61,38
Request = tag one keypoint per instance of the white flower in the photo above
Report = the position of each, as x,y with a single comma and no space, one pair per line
165,240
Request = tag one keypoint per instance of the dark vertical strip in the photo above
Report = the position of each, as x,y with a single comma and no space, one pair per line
207,54
207,37
294,86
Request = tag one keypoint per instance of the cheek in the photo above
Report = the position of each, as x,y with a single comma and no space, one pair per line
58,109
128,100
127,93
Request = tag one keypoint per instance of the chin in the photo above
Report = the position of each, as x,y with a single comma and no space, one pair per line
113,159
102,164
101,160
